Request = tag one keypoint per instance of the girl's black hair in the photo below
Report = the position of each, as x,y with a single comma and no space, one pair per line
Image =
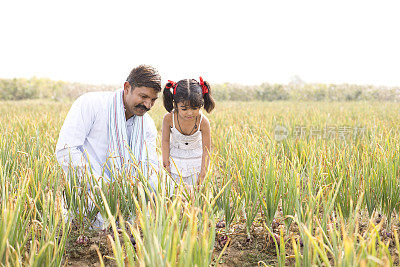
188,90
209,103
168,97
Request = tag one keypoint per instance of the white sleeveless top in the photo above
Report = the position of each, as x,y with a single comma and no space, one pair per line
185,151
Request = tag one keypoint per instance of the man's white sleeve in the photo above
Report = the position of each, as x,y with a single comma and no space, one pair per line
73,133
152,156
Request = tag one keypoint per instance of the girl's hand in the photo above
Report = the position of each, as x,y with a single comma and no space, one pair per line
189,188
167,167
199,187
200,180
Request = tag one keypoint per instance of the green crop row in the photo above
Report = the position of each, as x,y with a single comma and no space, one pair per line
326,176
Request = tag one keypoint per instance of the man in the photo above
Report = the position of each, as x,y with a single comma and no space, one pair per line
107,131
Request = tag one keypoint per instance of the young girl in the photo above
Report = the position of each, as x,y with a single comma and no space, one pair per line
186,135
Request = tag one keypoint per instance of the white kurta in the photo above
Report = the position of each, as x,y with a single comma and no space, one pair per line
84,137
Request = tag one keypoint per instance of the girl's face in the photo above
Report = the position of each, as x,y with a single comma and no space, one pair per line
186,112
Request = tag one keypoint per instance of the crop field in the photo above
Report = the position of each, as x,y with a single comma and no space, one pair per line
290,183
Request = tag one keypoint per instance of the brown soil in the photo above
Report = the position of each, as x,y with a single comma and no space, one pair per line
84,253
240,251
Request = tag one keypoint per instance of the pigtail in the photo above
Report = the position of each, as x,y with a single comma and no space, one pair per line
168,97
209,103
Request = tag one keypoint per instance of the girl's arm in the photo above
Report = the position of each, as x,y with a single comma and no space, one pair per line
206,136
166,129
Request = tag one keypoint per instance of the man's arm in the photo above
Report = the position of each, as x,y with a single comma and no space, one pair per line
73,133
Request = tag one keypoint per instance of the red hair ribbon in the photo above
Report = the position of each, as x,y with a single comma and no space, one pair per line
172,84
203,86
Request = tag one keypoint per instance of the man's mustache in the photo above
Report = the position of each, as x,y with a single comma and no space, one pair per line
142,107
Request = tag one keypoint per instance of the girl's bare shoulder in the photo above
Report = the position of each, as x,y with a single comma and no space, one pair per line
168,117
204,122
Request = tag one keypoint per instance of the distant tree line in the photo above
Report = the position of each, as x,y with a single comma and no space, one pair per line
39,88
42,88
305,92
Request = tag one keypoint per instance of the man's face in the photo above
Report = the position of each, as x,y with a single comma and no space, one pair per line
139,100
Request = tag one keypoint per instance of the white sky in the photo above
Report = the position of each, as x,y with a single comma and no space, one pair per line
247,42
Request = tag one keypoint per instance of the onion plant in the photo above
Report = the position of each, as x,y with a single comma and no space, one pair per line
270,189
